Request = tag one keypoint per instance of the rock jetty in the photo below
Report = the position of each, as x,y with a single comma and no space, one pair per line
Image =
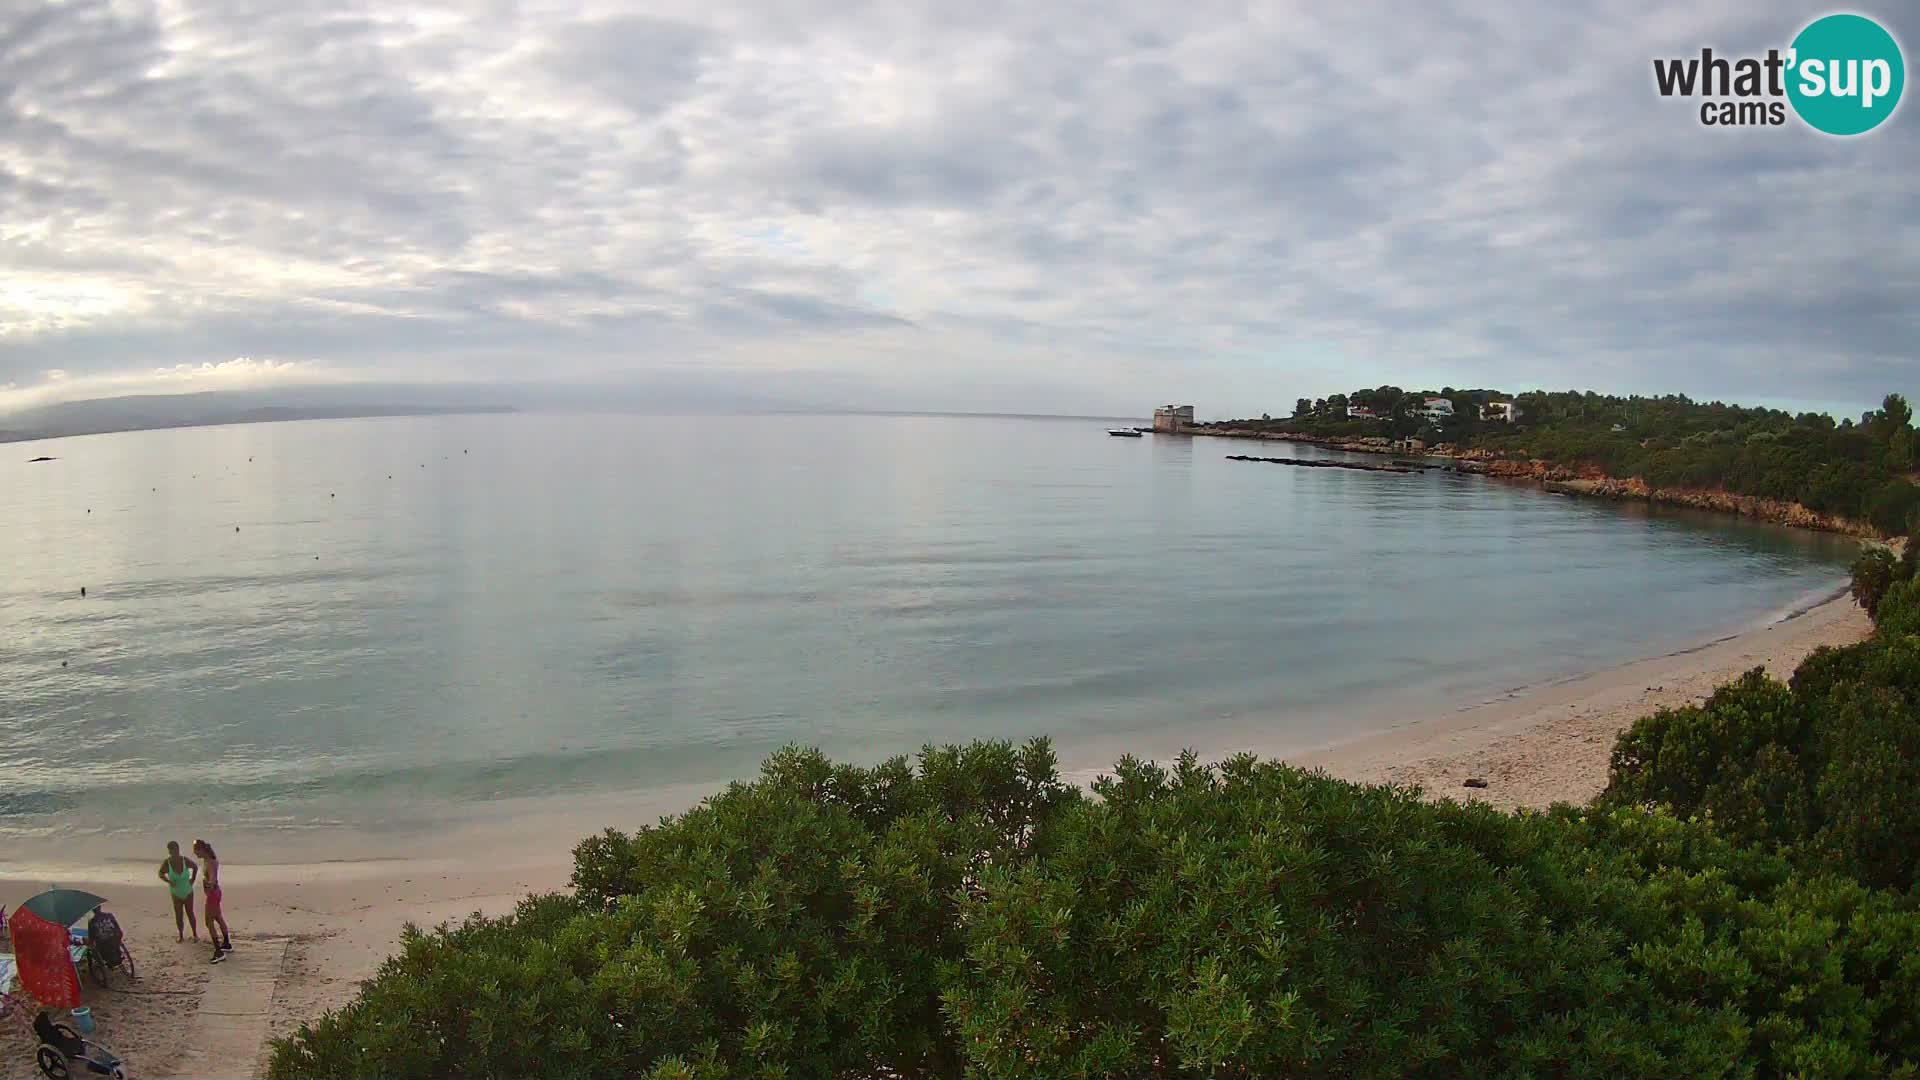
1309,463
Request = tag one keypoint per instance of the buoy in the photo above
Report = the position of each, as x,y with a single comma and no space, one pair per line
83,590
236,528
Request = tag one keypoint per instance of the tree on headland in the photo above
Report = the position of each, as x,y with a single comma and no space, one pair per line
1897,422
1856,471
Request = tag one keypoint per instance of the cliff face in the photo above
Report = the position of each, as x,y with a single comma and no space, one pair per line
1592,482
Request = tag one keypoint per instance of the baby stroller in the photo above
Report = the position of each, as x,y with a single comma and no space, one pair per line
64,1054
107,948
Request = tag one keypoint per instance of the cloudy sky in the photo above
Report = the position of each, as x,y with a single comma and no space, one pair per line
1056,206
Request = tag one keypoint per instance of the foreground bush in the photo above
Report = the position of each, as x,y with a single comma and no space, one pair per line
1898,615
1824,768
973,917
1871,575
1737,755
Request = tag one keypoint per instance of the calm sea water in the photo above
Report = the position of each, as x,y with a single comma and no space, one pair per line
388,623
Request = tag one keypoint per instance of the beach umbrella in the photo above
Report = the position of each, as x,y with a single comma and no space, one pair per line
63,906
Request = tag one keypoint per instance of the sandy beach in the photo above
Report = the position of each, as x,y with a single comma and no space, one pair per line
1549,744
308,928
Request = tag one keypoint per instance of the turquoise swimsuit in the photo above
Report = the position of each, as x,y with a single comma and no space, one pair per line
180,882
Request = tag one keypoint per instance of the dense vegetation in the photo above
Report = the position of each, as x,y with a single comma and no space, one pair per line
1740,903
1861,470
1822,769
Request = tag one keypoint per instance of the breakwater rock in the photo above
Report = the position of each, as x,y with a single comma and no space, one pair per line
1321,463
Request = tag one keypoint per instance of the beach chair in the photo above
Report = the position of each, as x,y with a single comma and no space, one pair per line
64,1054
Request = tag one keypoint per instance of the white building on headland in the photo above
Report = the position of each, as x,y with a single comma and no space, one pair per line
1173,418
1360,412
1504,411
1435,408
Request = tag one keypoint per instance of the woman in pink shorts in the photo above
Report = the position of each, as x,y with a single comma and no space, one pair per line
210,881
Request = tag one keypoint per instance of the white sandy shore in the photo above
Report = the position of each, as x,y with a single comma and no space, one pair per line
1552,743
341,912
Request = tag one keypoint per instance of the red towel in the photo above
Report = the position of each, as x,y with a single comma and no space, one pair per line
46,968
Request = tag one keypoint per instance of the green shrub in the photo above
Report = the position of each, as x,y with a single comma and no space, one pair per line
1883,662
1898,615
1870,818
975,918
1261,921
1735,758
796,926
483,997
1824,769
1830,665
1872,574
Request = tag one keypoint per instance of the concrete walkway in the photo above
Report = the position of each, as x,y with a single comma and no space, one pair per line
230,1031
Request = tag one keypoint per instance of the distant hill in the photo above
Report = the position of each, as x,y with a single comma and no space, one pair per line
147,412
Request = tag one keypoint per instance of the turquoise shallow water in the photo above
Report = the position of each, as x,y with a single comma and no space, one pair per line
417,616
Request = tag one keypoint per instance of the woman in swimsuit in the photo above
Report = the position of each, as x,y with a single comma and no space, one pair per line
178,872
210,882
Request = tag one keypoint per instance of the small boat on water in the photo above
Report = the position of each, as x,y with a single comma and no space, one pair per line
1123,433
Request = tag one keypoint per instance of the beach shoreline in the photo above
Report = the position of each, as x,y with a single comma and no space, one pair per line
1551,743
337,904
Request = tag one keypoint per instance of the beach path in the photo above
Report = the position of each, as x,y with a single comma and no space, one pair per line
227,1035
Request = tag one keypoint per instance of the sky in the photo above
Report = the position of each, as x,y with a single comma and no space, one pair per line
1011,206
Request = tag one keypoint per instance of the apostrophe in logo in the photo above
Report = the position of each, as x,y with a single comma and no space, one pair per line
1842,75
1847,74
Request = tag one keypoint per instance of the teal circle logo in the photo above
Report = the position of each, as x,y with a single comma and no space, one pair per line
1846,74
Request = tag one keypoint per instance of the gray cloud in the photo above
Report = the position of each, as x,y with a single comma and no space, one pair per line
1053,206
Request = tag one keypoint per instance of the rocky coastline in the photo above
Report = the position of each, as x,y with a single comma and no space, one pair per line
1587,482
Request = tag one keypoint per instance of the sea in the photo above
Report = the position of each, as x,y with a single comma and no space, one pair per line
391,625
